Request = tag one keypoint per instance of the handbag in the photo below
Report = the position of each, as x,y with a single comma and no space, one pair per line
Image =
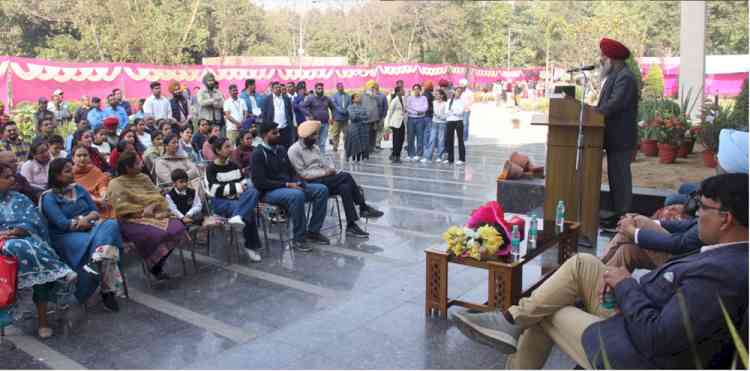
8,278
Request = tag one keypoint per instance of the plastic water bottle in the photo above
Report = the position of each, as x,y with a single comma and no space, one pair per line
515,243
560,215
533,227
609,301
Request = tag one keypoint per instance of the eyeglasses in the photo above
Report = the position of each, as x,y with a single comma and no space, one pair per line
703,208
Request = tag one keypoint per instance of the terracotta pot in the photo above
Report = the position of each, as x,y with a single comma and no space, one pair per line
521,160
649,148
683,150
709,159
667,153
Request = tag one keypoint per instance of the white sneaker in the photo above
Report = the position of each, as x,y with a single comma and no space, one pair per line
424,161
236,220
445,161
459,163
253,255
417,158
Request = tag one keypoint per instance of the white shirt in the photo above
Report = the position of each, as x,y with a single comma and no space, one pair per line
237,110
279,113
455,110
158,108
145,139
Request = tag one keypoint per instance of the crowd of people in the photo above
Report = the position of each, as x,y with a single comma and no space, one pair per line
146,174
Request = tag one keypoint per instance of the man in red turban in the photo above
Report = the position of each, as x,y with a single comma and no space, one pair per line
618,102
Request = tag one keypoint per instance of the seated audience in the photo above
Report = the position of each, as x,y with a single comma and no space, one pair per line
109,126
144,137
14,143
155,151
46,129
233,197
122,147
184,202
26,239
36,168
22,186
242,155
171,160
207,151
92,179
56,145
646,328
85,138
166,127
86,242
185,146
101,144
313,167
80,125
201,136
143,214
274,177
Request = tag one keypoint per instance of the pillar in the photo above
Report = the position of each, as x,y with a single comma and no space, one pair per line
692,51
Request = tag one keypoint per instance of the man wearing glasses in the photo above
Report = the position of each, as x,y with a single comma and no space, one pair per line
673,317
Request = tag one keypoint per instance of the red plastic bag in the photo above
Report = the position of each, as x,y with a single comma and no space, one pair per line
8,278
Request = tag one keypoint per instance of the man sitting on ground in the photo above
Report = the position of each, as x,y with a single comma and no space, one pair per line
311,166
644,243
274,177
646,328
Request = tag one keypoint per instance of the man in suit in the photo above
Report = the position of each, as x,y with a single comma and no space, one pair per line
278,109
618,103
645,328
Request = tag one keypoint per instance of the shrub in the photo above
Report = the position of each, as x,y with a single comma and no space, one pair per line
653,86
739,116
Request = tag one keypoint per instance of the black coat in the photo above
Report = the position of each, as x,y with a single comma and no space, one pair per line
267,111
618,102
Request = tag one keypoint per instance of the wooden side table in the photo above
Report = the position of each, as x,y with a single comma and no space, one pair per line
504,275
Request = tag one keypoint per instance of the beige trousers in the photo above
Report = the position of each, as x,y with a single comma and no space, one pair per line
336,131
623,252
549,315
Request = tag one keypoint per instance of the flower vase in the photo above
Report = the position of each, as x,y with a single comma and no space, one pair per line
649,147
709,159
667,153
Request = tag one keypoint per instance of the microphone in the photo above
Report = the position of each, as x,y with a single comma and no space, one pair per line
582,68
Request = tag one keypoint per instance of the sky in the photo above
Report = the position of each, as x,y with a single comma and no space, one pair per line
304,5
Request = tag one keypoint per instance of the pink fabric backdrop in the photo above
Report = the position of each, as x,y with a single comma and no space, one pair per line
26,79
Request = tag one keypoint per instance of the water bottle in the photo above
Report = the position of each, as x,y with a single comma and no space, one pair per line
560,215
515,243
609,301
533,226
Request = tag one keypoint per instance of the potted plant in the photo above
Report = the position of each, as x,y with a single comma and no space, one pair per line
647,133
650,114
670,134
713,119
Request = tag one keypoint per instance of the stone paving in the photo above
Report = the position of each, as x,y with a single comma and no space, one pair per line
356,304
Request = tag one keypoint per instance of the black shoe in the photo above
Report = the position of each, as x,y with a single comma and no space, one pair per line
300,246
396,160
110,303
318,238
355,231
369,212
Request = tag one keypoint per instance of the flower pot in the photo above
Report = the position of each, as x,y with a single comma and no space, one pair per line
667,153
709,159
683,150
649,148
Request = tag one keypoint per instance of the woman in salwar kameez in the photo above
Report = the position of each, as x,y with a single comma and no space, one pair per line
24,236
143,214
88,243
357,135
92,179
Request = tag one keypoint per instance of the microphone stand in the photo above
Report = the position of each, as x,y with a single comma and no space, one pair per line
583,240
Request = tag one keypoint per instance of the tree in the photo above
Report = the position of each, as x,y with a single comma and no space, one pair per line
739,113
653,87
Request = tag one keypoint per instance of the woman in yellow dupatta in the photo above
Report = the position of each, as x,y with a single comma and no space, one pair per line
92,179
143,214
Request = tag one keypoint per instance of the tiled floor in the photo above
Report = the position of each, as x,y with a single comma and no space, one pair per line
356,304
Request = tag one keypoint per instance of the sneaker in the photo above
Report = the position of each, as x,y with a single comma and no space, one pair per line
417,158
299,246
110,303
318,238
355,231
236,220
370,212
253,255
424,161
445,161
459,163
489,328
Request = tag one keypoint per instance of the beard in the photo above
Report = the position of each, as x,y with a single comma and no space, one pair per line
309,142
605,68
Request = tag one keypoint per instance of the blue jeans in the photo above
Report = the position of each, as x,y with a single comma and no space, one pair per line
467,114
293,200
415,136
323,139
426,141
436,141
683,194
244,207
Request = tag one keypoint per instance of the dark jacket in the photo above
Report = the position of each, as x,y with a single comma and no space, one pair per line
318,108
268,112
618,102
683,237
180,108
650,333
271,169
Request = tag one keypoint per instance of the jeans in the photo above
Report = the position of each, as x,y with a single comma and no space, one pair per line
244,207
344,185
437,139
455,128
426,135
398,141
415,136
323,139
683,194
467,114
293,200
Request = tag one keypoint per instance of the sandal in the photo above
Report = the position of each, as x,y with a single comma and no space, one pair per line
44,332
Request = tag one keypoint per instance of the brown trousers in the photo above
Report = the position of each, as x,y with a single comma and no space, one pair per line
623,252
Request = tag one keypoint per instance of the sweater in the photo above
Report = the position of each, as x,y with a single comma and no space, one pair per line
271,168
224,181
184,204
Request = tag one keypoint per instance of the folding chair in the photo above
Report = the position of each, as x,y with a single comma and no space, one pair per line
213,222
336,200
269,215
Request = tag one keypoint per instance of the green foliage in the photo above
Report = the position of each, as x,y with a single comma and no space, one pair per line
738,345
653,87
741,107
713,119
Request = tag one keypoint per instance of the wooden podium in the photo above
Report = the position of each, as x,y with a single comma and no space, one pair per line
560,180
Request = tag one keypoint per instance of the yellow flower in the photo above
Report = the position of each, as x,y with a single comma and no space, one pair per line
457,248
491,239
474,251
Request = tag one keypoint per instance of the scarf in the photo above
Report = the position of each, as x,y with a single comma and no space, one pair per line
129,195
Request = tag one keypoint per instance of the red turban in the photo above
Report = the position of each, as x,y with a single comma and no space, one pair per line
110,123
613,49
